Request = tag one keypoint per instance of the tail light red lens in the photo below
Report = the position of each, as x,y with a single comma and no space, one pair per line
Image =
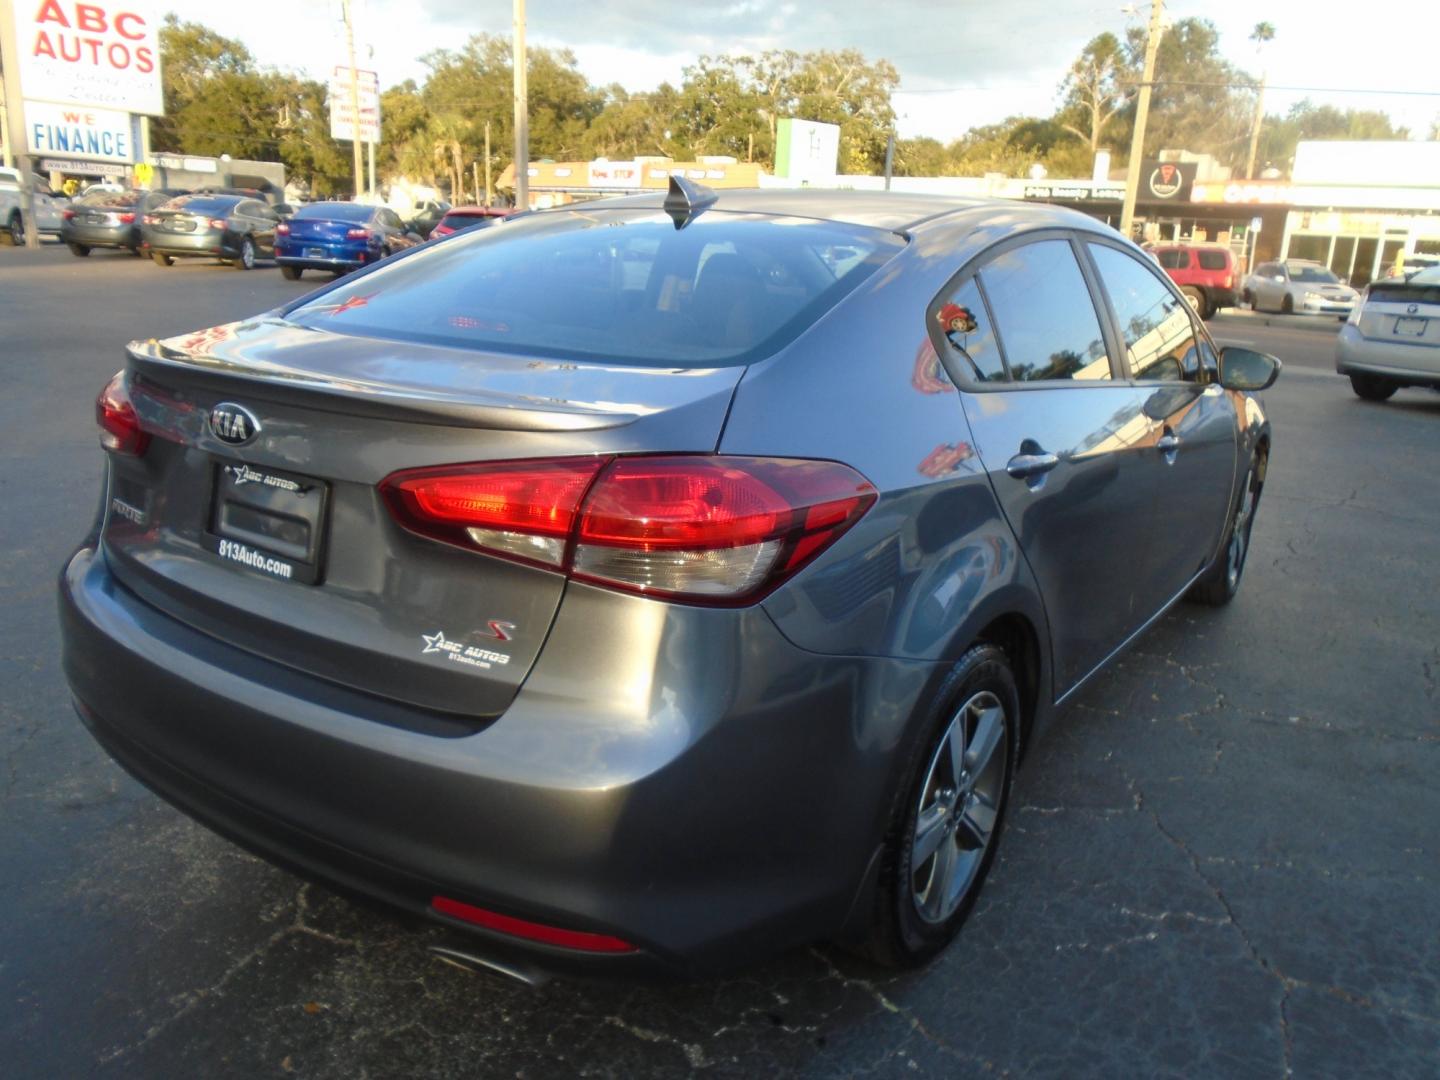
69,215
581,940
127,218
120,429
357,234
706,529
282,229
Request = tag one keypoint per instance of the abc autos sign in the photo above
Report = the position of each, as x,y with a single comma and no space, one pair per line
105,55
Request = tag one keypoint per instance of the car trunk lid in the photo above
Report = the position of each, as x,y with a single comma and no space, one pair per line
1402,312
320,230
228,538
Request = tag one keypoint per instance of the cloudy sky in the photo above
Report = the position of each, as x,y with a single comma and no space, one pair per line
962,62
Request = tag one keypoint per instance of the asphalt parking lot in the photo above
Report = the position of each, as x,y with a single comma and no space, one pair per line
1223,862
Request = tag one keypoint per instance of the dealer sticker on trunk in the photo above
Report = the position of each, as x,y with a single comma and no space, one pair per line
472,655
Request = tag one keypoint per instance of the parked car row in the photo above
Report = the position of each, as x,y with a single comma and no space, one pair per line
238,226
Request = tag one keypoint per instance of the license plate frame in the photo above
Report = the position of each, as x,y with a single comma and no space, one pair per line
1411,325
271,521
315,253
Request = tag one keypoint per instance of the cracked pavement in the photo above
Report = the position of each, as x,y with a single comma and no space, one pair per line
1221,862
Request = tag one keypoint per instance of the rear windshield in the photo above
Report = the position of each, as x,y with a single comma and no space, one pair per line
1414,291
203,204
336,211
1212,260
621,286
116,200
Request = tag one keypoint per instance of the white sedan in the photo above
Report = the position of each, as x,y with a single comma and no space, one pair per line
1392,339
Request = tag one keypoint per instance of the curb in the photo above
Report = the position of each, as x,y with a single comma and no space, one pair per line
1324,324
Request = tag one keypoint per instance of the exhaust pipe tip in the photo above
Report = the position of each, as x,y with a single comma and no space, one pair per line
473,962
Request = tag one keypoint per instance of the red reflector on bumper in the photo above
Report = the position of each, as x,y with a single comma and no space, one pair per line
549,935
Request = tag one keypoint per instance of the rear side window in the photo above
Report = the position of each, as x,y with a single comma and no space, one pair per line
1213,260
1174,259
1160,338
1047,324
965,324
616,285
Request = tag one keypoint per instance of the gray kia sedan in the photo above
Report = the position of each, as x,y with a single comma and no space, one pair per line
658,583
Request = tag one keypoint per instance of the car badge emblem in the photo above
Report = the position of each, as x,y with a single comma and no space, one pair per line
1411,309
233,424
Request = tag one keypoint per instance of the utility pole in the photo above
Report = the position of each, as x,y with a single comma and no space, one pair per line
475,180
370,149
487,163
15,123
354,97
1263,32
522,114
1142,113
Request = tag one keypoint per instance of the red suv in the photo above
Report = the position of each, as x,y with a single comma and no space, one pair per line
1206,273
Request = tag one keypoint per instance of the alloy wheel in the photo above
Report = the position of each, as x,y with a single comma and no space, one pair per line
17,231
959,807
247,254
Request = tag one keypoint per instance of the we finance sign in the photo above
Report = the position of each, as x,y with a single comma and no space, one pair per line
94,134
104,56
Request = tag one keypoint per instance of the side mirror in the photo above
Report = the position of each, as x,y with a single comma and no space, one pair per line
1246,369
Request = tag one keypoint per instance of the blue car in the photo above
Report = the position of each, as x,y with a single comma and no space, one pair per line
338,236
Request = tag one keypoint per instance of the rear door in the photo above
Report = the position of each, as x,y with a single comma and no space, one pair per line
1191,432
262,221
1061,437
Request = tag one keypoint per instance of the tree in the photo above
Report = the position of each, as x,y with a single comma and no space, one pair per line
636,125
1306,120
1094,91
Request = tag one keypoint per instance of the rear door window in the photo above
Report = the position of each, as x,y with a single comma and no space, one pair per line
1213,260
620,285
1161,342
1043,312
965,324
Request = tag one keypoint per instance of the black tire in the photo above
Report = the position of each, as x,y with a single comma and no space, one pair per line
901,934
161,259
1372,387
79,250
1287,306
1222,579
246,261
291,273
14,232
1248,298
1197,300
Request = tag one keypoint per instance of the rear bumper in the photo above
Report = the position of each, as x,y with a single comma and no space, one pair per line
710,820
116,236
1412,364
324,255
212,244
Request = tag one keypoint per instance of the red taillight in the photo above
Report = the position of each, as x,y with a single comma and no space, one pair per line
127,218
217,223
119,426
69,214
531,931
282,229
701,528
1229,281
357,234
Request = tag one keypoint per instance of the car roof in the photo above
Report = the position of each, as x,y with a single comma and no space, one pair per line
894,210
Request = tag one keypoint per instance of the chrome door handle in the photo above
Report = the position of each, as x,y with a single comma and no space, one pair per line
1024,466
1168,444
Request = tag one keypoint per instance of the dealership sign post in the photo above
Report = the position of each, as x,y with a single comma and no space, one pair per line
77,78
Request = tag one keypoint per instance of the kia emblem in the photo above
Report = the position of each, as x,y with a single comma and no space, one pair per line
233,424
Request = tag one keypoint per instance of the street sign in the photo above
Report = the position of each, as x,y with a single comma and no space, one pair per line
342,124
1256,223
104,54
